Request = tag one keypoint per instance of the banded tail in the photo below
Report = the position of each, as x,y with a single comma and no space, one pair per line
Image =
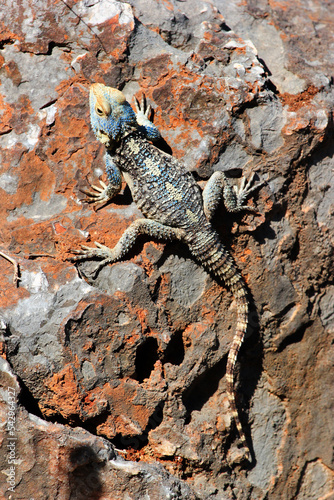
217,260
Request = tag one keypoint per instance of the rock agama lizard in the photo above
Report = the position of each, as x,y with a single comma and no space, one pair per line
171,201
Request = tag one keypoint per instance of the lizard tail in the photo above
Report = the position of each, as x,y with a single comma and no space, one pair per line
219,262
238,339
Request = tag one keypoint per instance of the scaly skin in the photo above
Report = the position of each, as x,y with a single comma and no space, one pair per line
170,200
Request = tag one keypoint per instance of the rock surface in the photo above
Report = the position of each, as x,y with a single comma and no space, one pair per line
114,388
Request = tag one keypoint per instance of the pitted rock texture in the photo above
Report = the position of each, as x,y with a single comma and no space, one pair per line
119,381
55,461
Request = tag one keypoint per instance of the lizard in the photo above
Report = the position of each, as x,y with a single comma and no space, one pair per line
173,206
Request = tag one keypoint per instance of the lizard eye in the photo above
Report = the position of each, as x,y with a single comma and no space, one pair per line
99,111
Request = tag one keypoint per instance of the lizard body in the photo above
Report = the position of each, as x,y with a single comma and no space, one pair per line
171,202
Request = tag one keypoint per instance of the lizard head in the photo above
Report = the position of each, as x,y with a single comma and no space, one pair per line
110,113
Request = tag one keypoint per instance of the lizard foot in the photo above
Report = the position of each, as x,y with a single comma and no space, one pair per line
244,191
98,195
142,111
101,252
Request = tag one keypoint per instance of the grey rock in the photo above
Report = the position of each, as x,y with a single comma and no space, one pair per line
269,418
266,123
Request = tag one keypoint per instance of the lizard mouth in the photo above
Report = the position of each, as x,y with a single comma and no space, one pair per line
103,137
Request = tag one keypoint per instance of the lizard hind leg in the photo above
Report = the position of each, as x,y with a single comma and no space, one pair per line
218,187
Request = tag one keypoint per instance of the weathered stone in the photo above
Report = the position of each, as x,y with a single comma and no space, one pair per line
40,459
317,482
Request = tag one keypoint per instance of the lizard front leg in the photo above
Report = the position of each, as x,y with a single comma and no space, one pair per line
127,240
101,195
219,187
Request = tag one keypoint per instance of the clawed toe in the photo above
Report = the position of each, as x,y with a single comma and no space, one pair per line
87,253
142,108
98,188
245,190
105,250
97,194
82,253
98,252
91,196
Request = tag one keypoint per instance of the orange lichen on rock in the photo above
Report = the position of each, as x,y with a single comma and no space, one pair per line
297,101
64,393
